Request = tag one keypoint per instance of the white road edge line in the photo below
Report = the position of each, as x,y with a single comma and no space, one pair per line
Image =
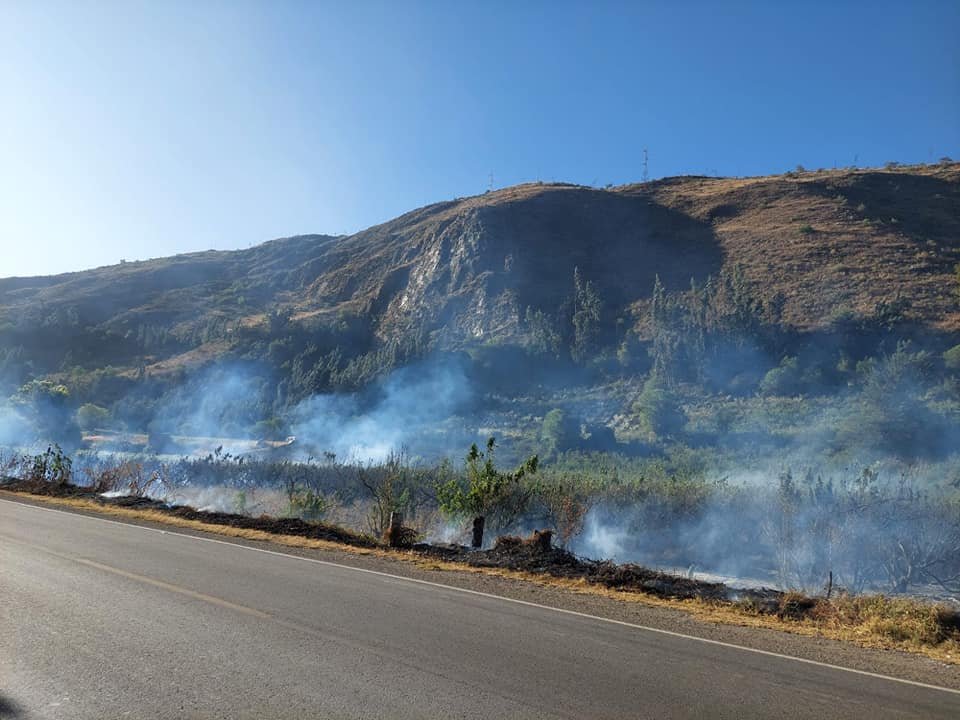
515,601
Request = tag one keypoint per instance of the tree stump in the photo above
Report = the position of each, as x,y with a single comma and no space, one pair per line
395,533
542,540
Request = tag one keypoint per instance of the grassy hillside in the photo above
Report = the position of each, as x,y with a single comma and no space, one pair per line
835,241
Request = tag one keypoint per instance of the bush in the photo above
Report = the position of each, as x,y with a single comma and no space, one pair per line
890,412
951,358
783,380
46,407
91,416
308,505
659,407
559,433
566,504
53,466
273,429
390,489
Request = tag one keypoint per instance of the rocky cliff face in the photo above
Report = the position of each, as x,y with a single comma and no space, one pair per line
471,268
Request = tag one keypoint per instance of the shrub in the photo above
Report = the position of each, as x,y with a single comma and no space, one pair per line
46,407
389,489
659,407
90,416
890,412
52,466
160,442
951,358
559,432
566,505
308,505
273,429
783,380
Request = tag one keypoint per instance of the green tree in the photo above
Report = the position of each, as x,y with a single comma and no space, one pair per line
665,324
659,407
783,380
951,358
559,432
587,308
488,491
308,505
542,334
274,428
389,488
890,411
90,416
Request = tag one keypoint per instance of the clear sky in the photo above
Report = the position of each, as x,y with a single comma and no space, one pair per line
134,130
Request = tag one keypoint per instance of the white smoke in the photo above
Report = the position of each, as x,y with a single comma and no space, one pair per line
412,403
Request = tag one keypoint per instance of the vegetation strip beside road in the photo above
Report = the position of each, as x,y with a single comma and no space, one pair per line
872,621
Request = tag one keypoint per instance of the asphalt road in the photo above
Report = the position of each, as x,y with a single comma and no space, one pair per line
105,620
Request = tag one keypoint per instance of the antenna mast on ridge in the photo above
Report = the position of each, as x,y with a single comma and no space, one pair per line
645,176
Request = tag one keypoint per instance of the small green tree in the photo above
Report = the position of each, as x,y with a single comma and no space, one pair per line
659,407
891,411
543,338
308,505
488,491
559,432
159,440
951,358
389,488
53,466
273,428
783,380
90,416
586,318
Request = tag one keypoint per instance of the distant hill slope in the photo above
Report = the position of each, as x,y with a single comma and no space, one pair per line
464,270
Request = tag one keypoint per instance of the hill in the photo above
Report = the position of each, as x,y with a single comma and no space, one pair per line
826,240
778,260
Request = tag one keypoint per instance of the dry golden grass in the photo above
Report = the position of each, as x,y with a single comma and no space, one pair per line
870,621
878,233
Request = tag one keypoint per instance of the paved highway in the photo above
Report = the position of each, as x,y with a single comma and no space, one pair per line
105,620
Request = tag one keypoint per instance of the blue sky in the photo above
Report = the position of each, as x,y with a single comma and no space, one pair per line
135,130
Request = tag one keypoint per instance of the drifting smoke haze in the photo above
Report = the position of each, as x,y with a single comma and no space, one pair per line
214,403
11,427
404,411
